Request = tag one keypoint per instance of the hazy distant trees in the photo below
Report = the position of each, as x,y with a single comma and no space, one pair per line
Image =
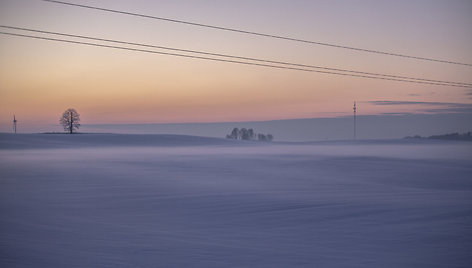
248,134
234,134
451,136
70,120
263,137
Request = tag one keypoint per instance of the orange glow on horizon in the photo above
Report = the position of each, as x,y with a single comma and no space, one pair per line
40,79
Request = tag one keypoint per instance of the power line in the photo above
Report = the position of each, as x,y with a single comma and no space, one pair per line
228,61
260,34
239,57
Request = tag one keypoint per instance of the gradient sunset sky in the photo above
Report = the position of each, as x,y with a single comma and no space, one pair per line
40,79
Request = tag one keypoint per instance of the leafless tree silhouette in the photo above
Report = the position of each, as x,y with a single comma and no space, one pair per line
70,120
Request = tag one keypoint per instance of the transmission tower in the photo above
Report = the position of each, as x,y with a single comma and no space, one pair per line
355,110
14,124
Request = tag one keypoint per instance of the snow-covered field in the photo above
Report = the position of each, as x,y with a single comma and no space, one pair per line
104,200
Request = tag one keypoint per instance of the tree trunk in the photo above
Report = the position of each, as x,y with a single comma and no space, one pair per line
71,124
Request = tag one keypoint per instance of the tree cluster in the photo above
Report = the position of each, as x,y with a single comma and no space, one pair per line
248,134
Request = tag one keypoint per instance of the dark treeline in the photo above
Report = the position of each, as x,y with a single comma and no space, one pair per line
248,135
451,136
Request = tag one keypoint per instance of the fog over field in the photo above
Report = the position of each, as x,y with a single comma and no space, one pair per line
209,134
108,200
309,129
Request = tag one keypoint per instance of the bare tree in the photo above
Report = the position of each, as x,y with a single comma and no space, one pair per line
250,133
243,134
70,120
235,133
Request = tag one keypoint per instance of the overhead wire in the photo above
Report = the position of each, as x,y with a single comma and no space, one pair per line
260,34
445,83
232,56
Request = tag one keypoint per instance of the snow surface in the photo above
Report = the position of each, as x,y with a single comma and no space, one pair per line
103,200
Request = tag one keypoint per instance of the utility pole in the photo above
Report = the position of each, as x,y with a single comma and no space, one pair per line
355,110
14,124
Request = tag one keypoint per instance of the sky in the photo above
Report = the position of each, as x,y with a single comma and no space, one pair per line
39,79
